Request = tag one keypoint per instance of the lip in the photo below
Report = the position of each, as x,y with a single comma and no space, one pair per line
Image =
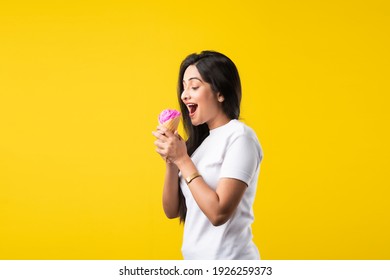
192,108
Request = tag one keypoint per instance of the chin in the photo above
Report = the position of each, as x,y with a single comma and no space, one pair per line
196,123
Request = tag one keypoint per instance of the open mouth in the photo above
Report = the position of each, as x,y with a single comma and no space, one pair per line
192,108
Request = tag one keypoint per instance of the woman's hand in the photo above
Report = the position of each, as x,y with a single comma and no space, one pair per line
170,146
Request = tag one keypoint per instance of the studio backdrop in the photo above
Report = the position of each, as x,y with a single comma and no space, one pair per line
82,83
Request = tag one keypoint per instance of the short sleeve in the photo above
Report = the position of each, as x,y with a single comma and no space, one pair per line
242,159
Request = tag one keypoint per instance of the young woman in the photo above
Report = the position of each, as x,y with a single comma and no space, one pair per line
211,179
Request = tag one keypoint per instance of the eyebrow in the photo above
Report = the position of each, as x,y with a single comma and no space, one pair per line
194,78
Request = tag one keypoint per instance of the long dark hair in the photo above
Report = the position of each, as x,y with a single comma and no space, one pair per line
221,73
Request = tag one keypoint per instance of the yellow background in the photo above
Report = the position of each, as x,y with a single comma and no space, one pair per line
82,83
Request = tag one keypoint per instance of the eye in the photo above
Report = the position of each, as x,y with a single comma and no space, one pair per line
194,88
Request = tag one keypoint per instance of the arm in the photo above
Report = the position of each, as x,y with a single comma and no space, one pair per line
171,191
170,196
218,205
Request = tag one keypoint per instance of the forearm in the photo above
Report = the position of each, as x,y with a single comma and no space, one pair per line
171,191
207,199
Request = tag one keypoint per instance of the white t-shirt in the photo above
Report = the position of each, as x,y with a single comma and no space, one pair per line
230,151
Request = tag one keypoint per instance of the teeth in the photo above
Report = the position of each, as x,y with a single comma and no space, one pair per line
192,107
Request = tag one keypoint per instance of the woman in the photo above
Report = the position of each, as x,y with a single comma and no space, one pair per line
210,180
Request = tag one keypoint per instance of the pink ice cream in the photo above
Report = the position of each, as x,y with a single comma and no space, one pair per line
167,115
170,119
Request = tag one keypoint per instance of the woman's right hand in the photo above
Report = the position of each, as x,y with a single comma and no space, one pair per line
170,146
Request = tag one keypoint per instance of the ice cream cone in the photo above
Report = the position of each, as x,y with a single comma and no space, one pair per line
172,124
170,119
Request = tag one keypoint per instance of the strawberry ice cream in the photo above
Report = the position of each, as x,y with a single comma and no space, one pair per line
170,119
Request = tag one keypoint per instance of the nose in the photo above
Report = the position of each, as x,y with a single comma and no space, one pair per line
185,95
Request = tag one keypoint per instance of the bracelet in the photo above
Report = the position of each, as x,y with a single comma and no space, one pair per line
192,177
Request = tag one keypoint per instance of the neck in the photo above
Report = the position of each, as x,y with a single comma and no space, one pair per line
220,120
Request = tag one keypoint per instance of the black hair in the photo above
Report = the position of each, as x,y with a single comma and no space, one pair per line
221,73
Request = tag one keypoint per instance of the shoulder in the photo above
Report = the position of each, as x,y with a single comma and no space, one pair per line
240,129
242,134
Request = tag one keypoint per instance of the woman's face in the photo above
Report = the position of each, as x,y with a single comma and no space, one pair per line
203,105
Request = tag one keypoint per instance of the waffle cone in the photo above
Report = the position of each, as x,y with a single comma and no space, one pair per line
172,124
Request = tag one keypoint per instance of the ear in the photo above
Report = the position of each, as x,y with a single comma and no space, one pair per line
221,98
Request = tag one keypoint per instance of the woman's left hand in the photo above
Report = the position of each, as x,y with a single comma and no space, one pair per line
170,146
